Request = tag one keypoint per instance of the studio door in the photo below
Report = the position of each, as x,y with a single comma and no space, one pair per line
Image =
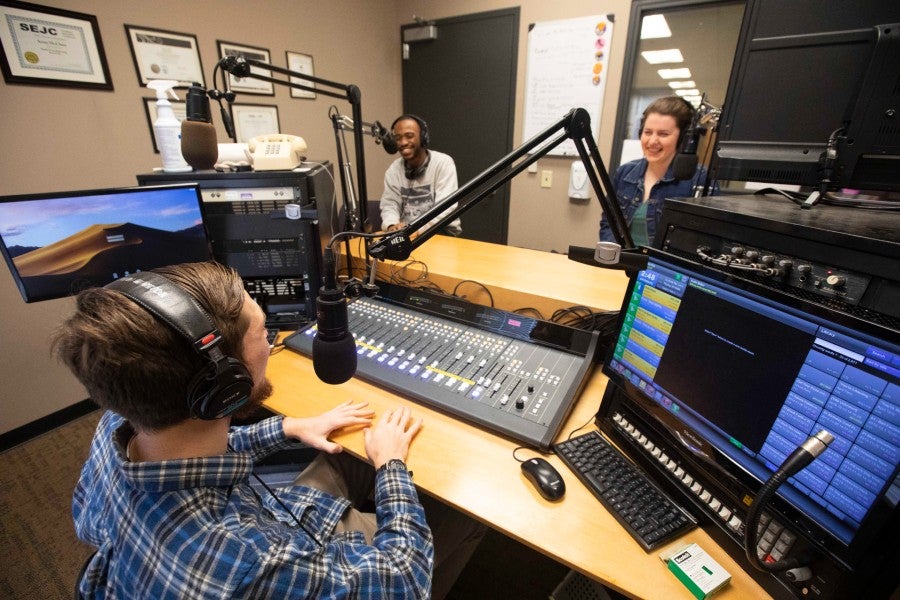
463,83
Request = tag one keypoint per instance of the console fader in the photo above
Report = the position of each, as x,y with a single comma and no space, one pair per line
509,373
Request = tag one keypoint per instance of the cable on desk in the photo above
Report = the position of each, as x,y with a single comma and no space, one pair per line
398,271
582,317
577,429
517,448
529,309
481,285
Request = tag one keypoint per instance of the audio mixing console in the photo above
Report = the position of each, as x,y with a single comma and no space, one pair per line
510,373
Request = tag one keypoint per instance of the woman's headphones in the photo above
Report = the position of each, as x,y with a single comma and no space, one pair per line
224,384
681,131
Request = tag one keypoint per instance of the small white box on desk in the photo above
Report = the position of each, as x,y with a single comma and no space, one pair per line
697,570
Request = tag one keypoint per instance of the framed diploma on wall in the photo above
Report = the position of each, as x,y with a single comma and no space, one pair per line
51,46
160,54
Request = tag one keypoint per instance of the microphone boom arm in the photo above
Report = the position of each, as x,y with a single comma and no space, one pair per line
575,125
240,67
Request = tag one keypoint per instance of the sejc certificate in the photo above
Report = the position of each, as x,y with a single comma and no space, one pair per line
61,48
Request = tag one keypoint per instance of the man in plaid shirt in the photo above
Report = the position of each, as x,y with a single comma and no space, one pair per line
165,496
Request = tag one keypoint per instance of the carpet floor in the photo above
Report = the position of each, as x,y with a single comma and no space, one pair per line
41,555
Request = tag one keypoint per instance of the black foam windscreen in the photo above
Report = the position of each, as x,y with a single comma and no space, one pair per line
684,166
335,360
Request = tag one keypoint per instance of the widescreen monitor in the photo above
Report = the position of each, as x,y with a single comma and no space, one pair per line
61,243
742,375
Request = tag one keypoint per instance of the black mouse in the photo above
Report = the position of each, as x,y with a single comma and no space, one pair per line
544,477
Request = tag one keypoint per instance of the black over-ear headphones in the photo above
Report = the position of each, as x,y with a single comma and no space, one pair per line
424,138
224,384
682,131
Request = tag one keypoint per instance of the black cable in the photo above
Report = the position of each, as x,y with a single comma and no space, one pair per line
576,430
484,287
521,460
529,309
283,505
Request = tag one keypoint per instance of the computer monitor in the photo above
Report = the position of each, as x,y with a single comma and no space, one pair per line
57,244
737,375
805,72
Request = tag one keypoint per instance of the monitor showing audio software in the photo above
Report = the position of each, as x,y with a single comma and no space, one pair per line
58,244
741,376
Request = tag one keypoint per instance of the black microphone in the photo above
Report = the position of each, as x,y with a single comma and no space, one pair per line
333,348
685,164
386,137
236,65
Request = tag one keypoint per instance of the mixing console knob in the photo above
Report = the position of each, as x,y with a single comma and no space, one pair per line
836,280
737,250
804,269
785,264
520,403
751,255
768,259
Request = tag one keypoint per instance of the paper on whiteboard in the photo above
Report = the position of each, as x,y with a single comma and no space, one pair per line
566,68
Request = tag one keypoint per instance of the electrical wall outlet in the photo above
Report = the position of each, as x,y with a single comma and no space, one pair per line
546,179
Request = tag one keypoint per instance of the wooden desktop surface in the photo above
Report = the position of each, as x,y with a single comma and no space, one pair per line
474,470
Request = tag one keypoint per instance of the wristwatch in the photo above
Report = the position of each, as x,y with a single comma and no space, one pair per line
395,464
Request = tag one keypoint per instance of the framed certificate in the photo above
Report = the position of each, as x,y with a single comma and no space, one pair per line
248,85
160,54
302,63
51,46
251,120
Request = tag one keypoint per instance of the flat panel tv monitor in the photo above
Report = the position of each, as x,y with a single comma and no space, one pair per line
59,244
805,72
742,375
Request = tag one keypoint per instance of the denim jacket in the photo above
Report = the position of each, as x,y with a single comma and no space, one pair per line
629,186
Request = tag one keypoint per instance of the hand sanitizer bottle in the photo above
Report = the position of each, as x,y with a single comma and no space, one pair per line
167,128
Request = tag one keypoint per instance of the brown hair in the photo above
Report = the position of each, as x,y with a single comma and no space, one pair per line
134,364
672,106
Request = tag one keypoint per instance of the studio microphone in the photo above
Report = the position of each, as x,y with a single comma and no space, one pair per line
333,348
386,137
685,164
236,65
198,135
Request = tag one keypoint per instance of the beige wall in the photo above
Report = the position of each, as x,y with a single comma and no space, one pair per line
66,139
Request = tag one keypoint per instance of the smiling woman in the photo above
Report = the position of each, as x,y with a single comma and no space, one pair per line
643,184
681,48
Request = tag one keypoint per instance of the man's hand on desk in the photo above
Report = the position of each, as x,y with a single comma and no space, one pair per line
391,436
314,431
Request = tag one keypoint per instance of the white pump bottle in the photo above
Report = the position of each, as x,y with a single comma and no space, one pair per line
167,128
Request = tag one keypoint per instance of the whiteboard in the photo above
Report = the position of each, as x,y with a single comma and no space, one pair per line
566,67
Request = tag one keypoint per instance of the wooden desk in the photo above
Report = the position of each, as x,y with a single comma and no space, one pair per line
474,471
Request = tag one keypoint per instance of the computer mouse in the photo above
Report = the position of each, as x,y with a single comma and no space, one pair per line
544,477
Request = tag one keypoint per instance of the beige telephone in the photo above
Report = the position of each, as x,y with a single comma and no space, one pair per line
276,151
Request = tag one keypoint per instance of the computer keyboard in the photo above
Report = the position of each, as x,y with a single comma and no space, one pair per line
645,511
